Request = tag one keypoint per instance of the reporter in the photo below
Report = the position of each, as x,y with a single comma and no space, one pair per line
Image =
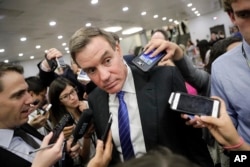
49,156
223,129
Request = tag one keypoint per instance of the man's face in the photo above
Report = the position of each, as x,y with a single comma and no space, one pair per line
241,17
15,100
104,66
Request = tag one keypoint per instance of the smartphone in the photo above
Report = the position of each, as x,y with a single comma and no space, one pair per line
194,104
47,109
60,62
107,128
52,63
145,62
82,76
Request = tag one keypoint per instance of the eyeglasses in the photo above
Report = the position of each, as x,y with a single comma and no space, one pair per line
66,96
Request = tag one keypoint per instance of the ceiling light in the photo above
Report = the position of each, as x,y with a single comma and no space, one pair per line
23,39
93,2
32,57
176,22
164,18
38,46
215,18
2,50
143,13
60,37
64,44
196,12
113,29
120,38
193,9
67,51
46,51
52,23
189,5
6,61
132,30
125,9
20,54
156,16
170,20
66,48
88,24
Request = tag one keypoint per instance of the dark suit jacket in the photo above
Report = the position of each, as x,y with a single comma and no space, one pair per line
160,125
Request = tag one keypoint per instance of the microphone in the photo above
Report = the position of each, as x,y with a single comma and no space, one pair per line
82,125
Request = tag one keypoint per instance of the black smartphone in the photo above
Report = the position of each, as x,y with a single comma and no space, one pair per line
194,104
107,128
52,63
145,62
60,62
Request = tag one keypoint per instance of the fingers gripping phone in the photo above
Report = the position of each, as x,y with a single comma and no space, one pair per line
194,104
82,76
145,62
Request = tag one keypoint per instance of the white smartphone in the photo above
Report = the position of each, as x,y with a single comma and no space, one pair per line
82,76
194,104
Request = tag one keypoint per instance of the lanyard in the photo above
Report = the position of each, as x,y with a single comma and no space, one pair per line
245,56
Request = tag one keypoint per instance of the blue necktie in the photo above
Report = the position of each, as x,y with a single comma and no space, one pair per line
124,130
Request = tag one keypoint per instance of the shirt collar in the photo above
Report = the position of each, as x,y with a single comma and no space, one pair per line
6,137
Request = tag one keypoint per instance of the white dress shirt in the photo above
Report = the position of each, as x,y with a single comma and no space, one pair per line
136,133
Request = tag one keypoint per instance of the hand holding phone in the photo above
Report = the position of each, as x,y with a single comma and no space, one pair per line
194,104
107,128
145,62
82,76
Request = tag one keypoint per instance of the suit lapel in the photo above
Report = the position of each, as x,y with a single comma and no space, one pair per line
147,102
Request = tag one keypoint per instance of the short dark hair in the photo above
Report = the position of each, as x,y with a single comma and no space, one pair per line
164,33
82,37
159,157
228,5
6,67
35,84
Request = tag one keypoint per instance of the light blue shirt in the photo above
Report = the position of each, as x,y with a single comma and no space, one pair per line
231,81
16,144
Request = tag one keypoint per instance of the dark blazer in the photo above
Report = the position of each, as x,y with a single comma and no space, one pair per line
160,125
10,159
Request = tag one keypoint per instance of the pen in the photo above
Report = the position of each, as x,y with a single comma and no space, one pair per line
43,148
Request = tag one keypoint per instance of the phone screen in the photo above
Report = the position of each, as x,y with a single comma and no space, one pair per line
61,62
195,105
149,60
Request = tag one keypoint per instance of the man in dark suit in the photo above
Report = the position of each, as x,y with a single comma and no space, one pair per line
150,120
17,137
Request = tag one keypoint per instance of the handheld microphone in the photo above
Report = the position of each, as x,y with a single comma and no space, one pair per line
82,125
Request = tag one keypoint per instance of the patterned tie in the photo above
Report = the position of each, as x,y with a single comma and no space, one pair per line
27,138
124,130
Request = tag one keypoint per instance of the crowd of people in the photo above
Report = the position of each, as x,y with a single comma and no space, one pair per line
145,131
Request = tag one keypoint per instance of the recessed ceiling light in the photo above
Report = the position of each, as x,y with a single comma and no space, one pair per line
6,61
46,51
20,54
164,18
170,20
132,30
23,39
67,51
32,57
120,38
125,9
193,9
52,23
214,18
88,24
189,5
156,16
64,44
38,46
60,37
176,22
94,2
143,13
2,50
196,12
66,48
113,29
